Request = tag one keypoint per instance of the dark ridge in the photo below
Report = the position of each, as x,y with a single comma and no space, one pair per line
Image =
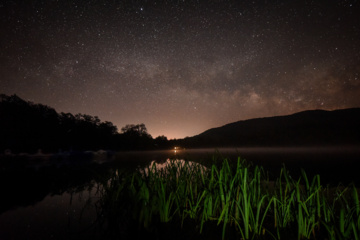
308,128
28,127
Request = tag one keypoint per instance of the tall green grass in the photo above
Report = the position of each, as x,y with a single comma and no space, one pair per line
234,196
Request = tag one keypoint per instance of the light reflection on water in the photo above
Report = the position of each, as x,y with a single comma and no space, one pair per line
171,162
171,165
71,216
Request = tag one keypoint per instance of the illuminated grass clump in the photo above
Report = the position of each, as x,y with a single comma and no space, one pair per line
234,197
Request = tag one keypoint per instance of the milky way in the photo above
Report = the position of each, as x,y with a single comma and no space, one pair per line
181,67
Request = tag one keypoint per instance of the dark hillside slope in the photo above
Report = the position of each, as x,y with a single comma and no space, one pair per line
315,127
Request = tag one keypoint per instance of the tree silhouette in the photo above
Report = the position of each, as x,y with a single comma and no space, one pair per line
161,142
138,130
27,127
136,137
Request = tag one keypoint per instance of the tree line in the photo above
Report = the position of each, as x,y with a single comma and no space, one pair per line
28,127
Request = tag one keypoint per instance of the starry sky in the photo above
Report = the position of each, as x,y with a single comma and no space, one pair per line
181,66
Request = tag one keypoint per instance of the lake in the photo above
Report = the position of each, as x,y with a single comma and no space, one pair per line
55,197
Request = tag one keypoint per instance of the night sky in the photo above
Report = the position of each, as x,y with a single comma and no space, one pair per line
182,66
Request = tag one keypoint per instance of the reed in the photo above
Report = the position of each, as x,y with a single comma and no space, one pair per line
233,196
349,216
284,201
251,202
309,208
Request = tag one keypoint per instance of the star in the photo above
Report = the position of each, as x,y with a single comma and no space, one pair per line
194,65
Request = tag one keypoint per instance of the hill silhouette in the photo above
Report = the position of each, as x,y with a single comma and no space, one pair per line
28,127
308,128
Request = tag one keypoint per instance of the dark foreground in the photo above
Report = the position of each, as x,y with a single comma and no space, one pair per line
61,201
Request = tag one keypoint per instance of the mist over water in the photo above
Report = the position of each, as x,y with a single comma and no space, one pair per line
334,164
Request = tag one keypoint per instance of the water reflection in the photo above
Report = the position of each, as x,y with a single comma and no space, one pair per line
179,163
71,215
57,199
171,166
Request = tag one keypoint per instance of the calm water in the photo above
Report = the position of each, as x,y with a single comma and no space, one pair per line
56,198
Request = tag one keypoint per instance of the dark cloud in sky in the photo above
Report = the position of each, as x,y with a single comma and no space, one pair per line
181,67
